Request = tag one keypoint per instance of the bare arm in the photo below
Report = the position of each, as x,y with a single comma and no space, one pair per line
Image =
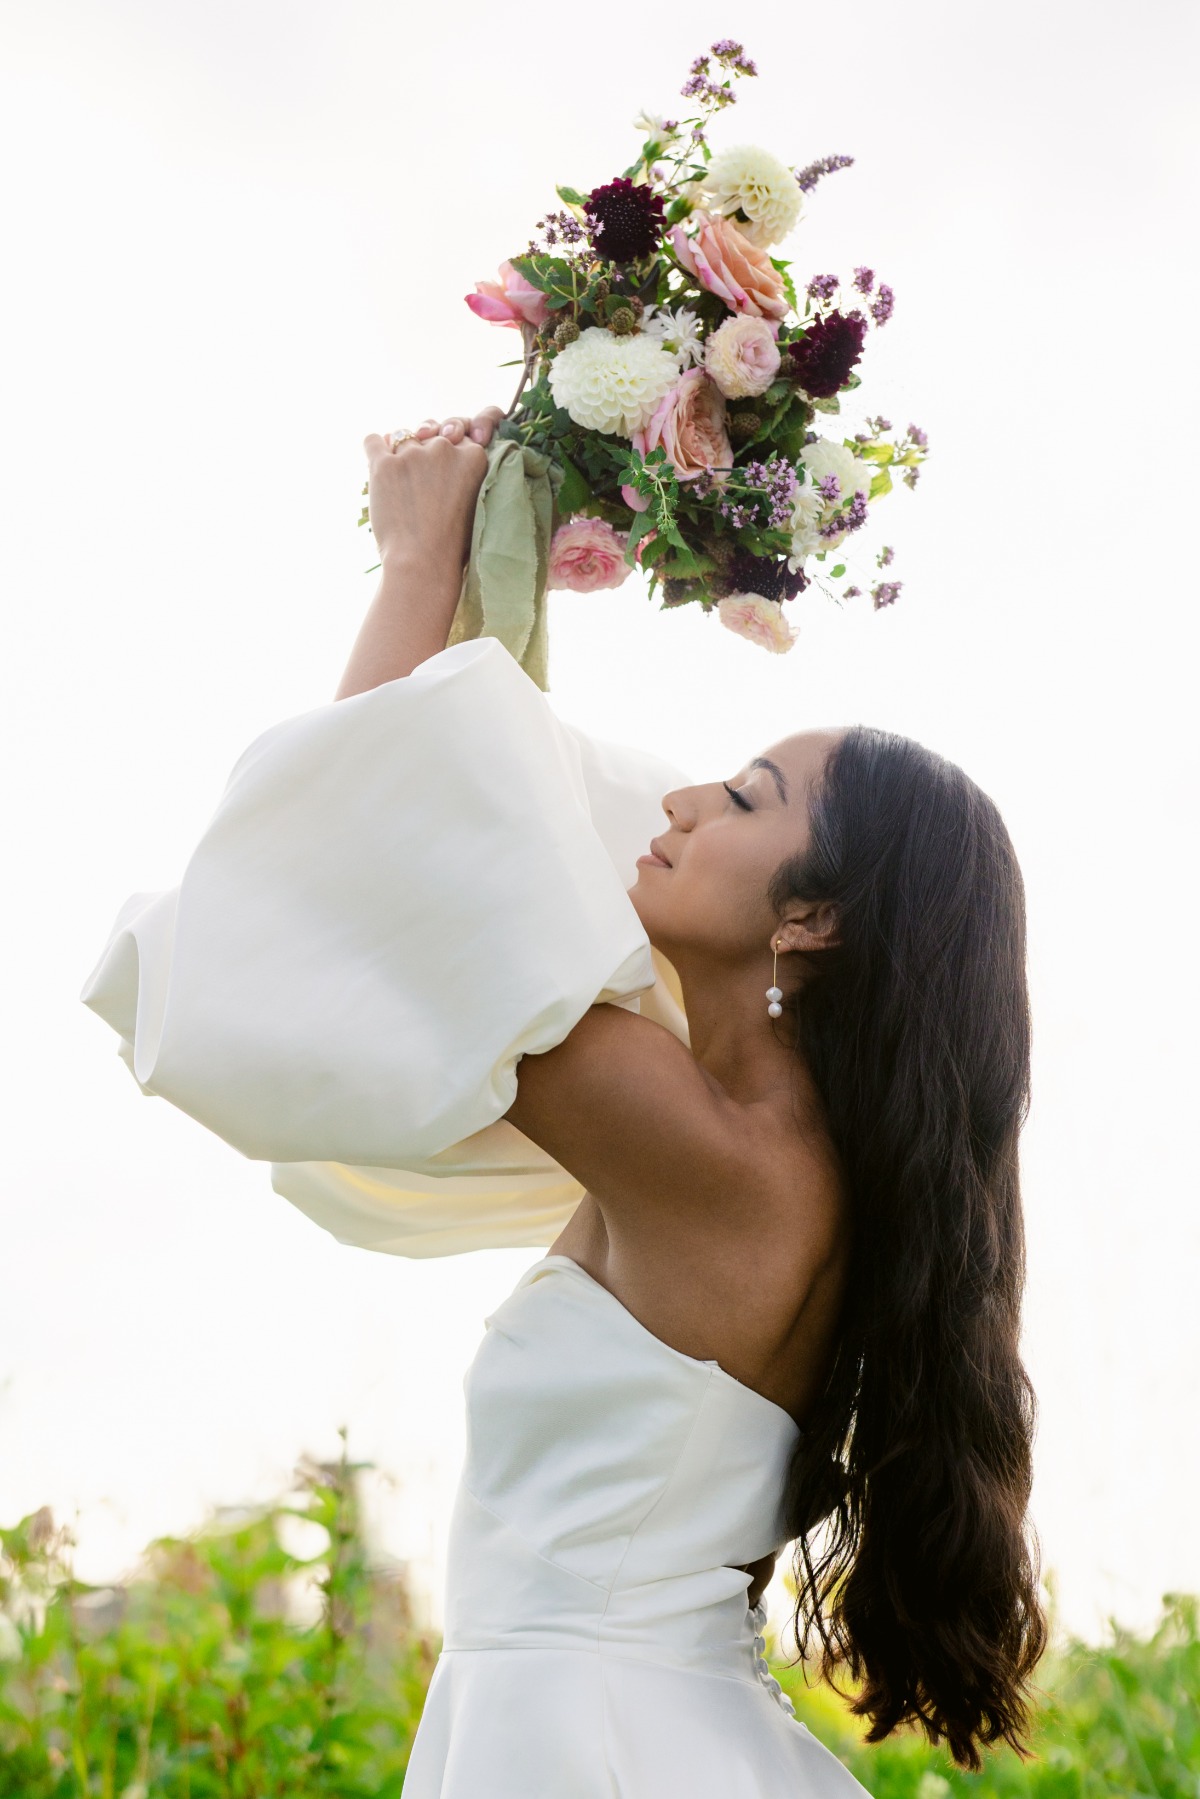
421,498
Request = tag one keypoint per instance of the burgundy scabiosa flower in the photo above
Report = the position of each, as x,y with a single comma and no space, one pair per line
630,219
822,360
765,575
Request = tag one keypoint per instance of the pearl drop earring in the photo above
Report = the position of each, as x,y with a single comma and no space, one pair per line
774,993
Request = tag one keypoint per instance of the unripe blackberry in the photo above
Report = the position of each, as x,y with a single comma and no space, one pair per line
622,321
742,426
566,334
675,590
721,586
637,305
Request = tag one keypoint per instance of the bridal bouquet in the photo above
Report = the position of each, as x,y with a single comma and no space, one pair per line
676,379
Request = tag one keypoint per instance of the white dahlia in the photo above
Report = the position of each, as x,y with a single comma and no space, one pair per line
753,181
828,457
810,509
610,383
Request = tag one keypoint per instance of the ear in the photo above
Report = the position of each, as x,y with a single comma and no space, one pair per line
809,925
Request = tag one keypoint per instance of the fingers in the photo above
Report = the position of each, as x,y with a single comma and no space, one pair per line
483,425
479,429
456,430
453,428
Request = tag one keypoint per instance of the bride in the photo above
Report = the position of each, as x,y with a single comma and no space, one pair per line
769,1094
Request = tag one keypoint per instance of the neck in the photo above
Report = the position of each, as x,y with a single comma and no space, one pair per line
731,1035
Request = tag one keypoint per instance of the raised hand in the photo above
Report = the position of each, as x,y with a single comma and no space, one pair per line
422,494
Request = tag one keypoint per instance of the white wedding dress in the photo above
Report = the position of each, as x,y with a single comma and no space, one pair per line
399,895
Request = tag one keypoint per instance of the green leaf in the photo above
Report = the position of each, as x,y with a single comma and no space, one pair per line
833,405
642,522
574,493
571,195
789,286
881,483
684,565
680,208
875,452
839,570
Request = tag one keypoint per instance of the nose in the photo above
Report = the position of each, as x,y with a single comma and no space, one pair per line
684,805
675,809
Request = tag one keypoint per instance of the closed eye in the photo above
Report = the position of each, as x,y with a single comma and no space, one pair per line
737,797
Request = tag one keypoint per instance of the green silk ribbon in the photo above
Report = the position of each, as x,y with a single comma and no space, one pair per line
504,587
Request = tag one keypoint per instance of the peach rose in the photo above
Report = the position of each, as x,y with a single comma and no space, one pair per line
759,619
723,260
689,423
510,301
587,554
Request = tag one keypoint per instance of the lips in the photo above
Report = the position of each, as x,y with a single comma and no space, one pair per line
656,849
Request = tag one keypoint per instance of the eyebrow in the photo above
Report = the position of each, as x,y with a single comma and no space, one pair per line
775,772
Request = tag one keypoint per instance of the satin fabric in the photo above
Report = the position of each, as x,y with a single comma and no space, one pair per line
597,1641
399,894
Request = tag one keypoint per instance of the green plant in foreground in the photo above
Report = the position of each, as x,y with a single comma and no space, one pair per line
1118,1719
232,1667
197,1678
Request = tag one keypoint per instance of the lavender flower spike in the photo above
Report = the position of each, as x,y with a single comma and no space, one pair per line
808,178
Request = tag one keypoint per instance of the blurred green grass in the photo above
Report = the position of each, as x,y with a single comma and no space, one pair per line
234,1665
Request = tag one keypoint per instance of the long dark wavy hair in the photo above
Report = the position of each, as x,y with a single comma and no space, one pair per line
914,1561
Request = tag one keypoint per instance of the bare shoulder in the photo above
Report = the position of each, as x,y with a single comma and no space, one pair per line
722,1228
624,1106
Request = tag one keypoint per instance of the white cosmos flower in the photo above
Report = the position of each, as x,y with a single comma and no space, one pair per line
677,331
753,181
610,383
655,125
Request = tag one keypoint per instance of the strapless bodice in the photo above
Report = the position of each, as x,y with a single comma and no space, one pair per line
597,1636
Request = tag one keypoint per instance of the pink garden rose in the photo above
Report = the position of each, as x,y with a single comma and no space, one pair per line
689,423
723,260
759,619
509,301
742,356
586,554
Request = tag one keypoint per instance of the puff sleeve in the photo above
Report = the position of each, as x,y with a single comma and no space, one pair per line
398,895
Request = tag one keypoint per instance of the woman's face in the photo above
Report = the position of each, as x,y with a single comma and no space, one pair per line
724,847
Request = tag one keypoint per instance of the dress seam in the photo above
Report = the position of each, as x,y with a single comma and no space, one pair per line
559,1567
664,1488
602,1653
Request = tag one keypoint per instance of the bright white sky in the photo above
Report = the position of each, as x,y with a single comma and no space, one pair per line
239,239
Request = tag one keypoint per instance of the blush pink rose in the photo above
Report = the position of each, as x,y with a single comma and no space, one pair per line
587,554
689,423
723,260
759,619
510,301
742,356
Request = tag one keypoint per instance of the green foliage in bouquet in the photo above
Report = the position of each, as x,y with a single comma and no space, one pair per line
683,386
